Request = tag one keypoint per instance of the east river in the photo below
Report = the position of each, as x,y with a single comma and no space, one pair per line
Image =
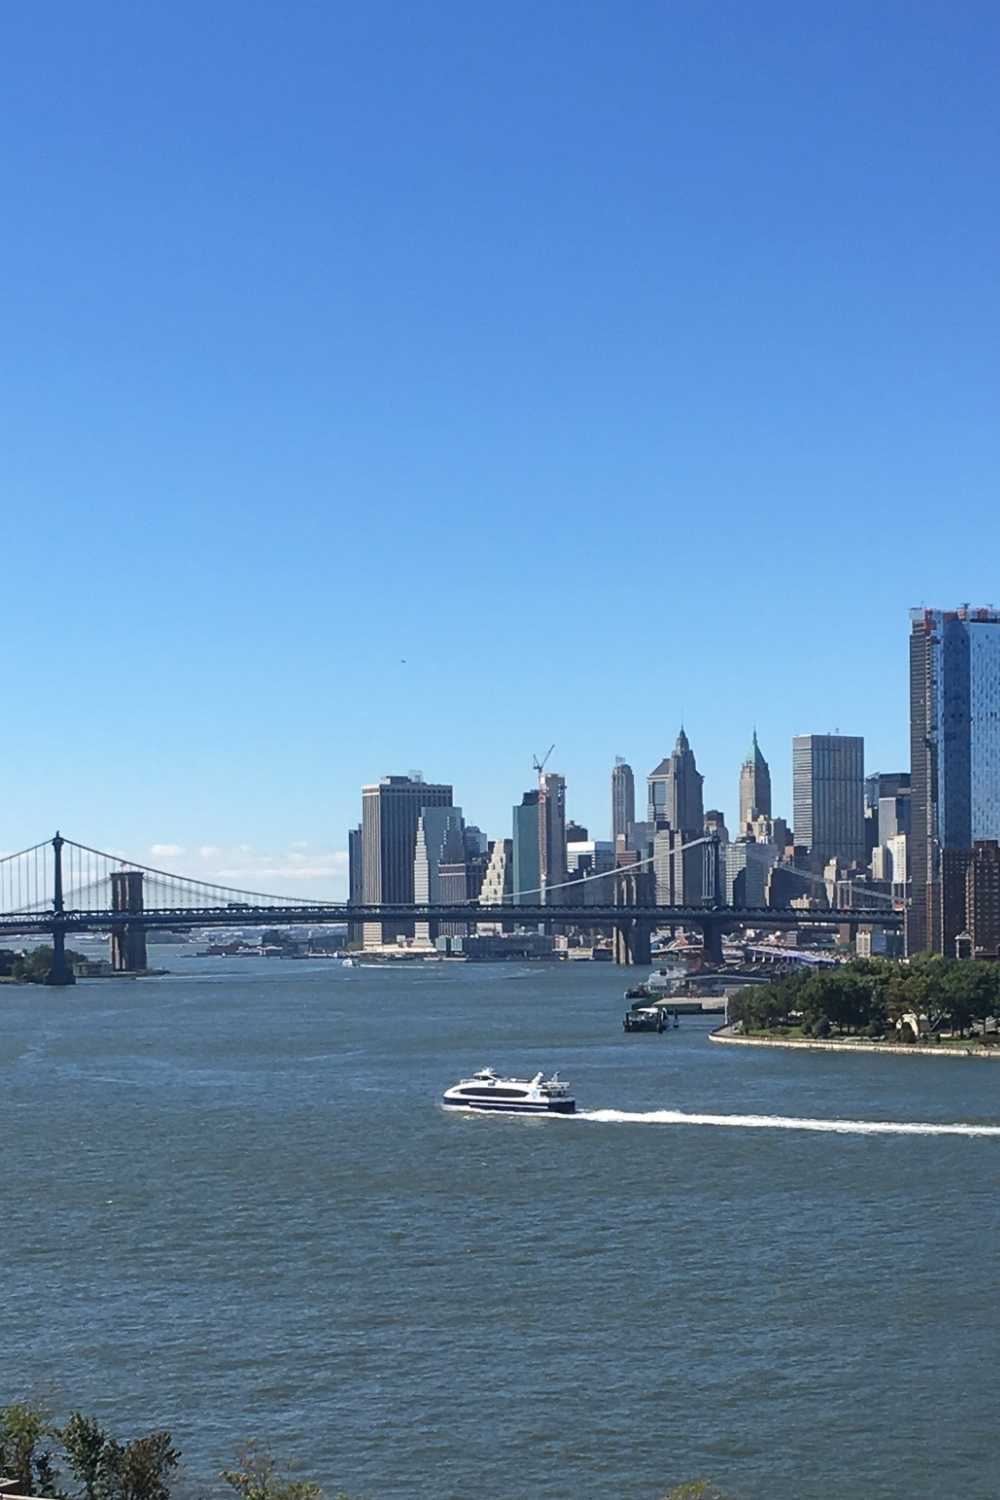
232,1206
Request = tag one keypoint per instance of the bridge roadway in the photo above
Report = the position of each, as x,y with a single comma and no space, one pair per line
239,915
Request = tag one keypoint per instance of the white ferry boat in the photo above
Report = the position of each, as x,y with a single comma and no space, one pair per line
511,1096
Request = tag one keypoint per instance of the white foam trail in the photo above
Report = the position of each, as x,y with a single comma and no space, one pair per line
778,1122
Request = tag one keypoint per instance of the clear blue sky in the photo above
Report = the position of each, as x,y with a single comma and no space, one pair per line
398,386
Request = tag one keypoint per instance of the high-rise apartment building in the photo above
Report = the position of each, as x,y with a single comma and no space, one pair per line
498,884
526,868
551,836
828,797
755,787
954,752
622,798
390,812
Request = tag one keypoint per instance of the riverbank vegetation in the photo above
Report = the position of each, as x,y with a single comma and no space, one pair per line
81,1461
32,966
878,999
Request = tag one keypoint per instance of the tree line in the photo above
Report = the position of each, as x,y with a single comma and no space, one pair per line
868,996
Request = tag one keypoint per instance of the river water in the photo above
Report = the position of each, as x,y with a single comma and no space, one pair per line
231,1205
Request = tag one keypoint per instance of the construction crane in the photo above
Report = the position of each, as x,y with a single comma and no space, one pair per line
539,765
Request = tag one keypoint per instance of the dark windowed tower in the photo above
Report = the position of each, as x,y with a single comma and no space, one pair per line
622,799
390,812
828,796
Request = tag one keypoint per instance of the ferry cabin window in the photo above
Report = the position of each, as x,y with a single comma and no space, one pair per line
496,1093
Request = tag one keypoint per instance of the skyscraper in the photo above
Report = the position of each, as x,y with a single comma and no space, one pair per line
676,806
439,868
828,797
355,881
674,791
755,787
622,798
551,835
527,877
390,811
954,751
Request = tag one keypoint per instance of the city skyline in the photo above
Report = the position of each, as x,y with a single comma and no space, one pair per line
317,868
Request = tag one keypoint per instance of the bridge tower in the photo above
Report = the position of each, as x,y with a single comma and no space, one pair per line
632,935
128,939
60,972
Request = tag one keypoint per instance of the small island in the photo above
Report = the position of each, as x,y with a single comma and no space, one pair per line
929,1004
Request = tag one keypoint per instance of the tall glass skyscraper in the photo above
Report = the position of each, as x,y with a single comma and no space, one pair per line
525,853
954,751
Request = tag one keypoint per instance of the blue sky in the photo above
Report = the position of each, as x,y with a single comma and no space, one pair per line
398,387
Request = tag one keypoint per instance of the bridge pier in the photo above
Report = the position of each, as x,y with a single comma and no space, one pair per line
60,971
633,935
712,941
633,942
128,941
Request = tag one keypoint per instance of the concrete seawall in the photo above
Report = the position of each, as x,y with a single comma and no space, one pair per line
881,1049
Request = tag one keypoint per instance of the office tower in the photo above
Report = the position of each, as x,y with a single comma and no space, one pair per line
551,835
755,787
885,784
622,798
747,868
954,753
527,873
439,867
828,799
881,823
674,791
893,816
715,825
576,833
770,831
355,882
587,859
390,811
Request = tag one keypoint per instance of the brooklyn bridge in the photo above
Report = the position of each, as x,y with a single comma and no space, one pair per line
60,887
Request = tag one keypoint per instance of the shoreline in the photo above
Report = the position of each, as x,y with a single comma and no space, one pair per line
725,1035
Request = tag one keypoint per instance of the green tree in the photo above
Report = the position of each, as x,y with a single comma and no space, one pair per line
32,967
88,1449
139,1470
256,1477
25,1455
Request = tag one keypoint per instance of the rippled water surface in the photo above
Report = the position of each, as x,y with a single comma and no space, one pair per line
232,1205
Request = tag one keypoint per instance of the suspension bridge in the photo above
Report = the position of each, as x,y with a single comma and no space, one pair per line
59,887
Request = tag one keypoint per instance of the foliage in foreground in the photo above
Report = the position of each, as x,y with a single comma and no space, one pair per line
81,1461
869,995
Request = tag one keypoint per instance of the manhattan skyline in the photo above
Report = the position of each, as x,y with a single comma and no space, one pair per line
341,416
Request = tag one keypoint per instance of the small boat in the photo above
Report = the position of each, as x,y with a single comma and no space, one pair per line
645,1018
347,963
511,1096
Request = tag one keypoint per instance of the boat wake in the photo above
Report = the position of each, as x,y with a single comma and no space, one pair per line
778,1122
